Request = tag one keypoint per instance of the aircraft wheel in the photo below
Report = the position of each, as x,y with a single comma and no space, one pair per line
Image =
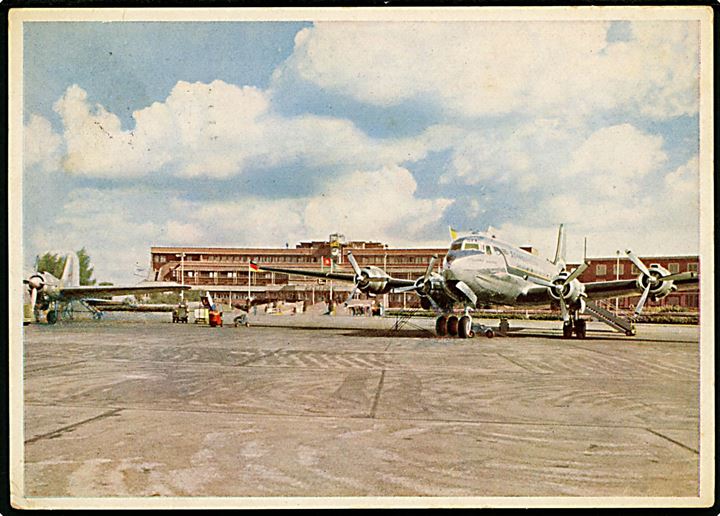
580,328
489,333
452,325
567,330
441,328
465,327
51,317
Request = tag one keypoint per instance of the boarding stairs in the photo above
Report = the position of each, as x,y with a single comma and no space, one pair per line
621,324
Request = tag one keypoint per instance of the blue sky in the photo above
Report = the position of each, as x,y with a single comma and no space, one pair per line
261,133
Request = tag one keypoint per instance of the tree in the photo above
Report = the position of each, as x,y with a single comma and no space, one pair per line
51,263
54,264
172,298
86,271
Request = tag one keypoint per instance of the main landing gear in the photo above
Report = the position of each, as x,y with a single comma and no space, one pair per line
574,325
461,327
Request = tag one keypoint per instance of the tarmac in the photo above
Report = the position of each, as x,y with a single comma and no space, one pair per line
319,406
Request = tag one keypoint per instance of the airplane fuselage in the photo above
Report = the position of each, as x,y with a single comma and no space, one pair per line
496,272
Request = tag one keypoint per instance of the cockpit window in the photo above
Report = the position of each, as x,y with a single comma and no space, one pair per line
488,250
472,246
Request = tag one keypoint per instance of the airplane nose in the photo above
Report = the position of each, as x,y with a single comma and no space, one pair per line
35,282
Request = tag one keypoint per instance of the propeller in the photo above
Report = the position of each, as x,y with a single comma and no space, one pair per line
423,285
360,278
652,280
428,272
35,284
559,284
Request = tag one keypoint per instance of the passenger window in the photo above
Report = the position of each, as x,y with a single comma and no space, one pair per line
471,246
488,249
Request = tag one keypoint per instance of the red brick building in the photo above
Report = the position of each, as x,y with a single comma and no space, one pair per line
227,274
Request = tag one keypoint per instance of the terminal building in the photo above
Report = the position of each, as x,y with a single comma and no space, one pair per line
226,271
227,274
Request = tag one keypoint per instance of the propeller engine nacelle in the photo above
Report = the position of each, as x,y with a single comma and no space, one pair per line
36,282
372,280
658,288
570,291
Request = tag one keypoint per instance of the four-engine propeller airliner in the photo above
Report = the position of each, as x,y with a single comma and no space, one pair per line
56,295
479,269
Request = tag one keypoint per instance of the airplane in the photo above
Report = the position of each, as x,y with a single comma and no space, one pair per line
480,269
50,293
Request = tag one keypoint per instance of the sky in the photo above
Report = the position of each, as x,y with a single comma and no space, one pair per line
139,134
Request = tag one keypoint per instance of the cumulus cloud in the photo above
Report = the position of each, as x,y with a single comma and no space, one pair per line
41,144
111,224
530,134
518,155
665,222
214,130
374,205
614,159
489,68
119,225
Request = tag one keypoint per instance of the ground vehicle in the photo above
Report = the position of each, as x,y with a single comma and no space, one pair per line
214,313
180,314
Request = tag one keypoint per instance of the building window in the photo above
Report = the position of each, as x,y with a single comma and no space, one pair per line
600,269
692,267
634,270
619,269
190,274
674,268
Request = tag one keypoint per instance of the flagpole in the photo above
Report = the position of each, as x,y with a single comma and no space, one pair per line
331,281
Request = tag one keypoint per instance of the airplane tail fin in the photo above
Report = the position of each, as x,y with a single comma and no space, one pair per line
71,272
560,248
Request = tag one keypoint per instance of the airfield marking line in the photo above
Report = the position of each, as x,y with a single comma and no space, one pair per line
255,359
673,441
358,417
376,399
73,425
518,364
55,366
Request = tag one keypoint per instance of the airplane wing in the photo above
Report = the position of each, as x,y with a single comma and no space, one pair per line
84,291
340,276
539,294
624,288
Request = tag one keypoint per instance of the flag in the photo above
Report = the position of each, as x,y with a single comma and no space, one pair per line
453,233
326,261
253,266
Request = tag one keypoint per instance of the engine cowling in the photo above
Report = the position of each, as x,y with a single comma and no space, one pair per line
36,282
372,280
571,292
658,288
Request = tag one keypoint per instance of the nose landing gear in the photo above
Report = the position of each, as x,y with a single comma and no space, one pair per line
575,325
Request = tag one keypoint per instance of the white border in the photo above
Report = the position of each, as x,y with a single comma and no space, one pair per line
703,14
